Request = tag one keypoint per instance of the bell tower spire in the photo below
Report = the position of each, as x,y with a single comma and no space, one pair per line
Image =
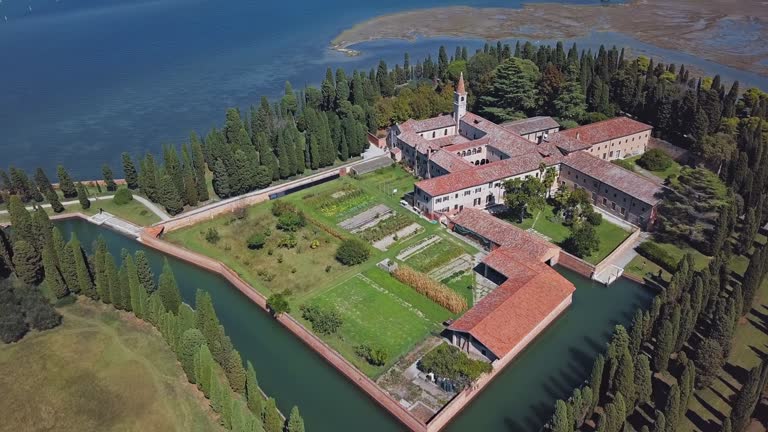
459,100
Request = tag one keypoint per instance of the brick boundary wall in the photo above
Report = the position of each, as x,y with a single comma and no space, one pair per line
316,344
229,205
576,264
628,243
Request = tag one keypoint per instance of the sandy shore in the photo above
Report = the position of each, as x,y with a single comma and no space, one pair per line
727,32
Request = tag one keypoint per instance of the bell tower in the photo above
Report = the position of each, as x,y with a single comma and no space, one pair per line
459,101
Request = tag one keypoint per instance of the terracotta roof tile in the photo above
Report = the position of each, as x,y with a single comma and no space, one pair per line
510,313
606,130
482,174
615,176
449,161
531,125
460,86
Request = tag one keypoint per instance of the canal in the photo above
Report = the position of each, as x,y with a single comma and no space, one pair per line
520,399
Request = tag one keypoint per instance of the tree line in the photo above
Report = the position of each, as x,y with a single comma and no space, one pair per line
37,254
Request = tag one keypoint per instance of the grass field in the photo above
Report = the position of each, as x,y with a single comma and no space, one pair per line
97,372
133,211
643,267
435,255
673,169
382,312
462,284
544,222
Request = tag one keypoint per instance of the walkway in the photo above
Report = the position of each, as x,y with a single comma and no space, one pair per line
154,208
616,267
615,219
116,223
66,203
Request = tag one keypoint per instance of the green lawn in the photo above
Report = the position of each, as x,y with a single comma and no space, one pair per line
97,372
435,255
462,284
382,312
545,223
643,267
133,211
673,169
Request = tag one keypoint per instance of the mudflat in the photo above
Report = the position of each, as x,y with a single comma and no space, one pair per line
727,32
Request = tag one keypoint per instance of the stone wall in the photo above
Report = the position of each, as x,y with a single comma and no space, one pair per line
627,244
576,264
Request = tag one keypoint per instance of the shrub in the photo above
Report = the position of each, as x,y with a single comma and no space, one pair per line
315,244
627,165
657,254
429,287
278,304
373,355
281,207
595,218
447,361
123,196
288,242
240,212
655,160
583,240
291,221
352,251
323,321
257,241
212,235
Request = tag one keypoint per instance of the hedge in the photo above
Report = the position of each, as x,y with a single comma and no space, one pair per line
658,255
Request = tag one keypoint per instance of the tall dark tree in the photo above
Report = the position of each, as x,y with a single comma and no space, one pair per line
27,262
144,271
168,289
129,171
82,196
66,185
109,178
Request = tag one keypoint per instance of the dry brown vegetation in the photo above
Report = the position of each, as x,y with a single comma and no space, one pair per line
435,291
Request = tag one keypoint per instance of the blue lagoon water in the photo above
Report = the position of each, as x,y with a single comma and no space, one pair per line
84,80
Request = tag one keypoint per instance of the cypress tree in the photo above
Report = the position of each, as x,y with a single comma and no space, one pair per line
6,252
687,383
252,391
168,290
709,360
43,229
643,380
21,220
726,426
204,370
134,286
672,408
27,262
221,180
198,162
665,341
208,323
271,419
66,185
109,178
753,277
235,371
191,342
124,291
560,421
53,278
111,290
42,182
625,379
148,178
169,196
636,333
82,196
144,271
295,422
660,424
746,399
129,171
84,281
596,379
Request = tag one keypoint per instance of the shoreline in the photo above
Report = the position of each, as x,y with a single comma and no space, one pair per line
686,26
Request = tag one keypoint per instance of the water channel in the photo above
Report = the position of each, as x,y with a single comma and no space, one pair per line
519,400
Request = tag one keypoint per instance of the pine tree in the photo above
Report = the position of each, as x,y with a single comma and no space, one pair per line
235,371
271,418
168,290
43,183
198,161
252,391
169,196
512,92
665,341
570,103
129,171
208,323
66,185
144,271
53,200
636,333
560,420
753,277
109,178
204,370
21,220
82,196
295,422
84,280
110,291
596,378
53,278
148,178
221,184
27,262
328,90
125,301
672,409
65,259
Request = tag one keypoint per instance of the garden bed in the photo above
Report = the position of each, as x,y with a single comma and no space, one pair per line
367,219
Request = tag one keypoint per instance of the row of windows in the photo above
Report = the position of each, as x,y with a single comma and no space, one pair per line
469,153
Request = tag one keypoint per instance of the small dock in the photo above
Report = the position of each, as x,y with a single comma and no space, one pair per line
115,223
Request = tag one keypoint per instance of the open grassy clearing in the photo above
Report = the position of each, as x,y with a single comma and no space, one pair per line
463,283
674,168
545,222
435,255
380,311
133,211
271,268
97,372
645,268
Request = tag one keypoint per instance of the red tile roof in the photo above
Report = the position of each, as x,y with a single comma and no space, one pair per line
449,140
614,176
460,85
531,125
498,170
505,234
429,124
509,143
480,142
449,161
606,130
509,314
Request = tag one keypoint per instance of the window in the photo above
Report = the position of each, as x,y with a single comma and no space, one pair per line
467,193
603,155
614,194
642,209
594,184
613,205
462,98
577,176
456,196
455,206
605,201
433,134
611,154
477,190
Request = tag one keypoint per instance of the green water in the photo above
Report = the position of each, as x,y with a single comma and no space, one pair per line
519,400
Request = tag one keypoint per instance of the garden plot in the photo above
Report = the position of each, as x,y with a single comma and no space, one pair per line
435,255
349,200
367,219
409,230
459,264
405,253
